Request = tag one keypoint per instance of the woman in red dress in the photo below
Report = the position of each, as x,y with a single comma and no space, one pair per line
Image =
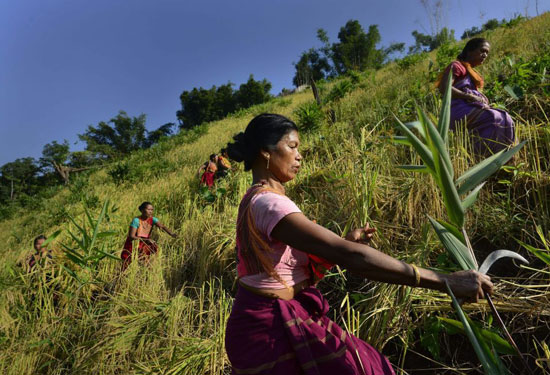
140,230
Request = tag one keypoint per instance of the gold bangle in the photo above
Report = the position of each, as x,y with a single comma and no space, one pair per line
416,275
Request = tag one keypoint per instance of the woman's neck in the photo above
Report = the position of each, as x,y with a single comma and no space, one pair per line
265,176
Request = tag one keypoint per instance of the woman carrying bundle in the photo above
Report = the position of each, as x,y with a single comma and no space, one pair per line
492,128
278,324
208,170
140,230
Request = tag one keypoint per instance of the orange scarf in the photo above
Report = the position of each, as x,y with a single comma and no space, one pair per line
476,77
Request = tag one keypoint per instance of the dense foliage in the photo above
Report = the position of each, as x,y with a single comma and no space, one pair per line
205,105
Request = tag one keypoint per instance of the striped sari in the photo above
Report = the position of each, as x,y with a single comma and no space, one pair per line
274,336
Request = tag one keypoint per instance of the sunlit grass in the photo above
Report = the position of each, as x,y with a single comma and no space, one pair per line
169,317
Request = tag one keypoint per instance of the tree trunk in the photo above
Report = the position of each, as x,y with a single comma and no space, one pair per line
315,92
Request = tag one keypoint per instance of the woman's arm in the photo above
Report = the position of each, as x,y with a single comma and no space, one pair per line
132,233
456,93
161,226
297,231
201,169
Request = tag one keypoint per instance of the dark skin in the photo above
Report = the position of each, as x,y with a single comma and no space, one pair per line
474,58
146,213
352,253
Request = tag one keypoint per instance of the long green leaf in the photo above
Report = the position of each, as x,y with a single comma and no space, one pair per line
445,113
71,251
51,237
416,125
472,197
98,223
501,345
420,147
80,244
414,168
454,230
80,229
482,354
450,196
480,172
454,246
71,272
435,141
109,255
400,140
539,253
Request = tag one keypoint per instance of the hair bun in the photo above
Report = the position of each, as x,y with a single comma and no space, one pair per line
238,150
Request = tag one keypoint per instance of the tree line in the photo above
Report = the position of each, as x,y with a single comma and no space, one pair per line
108,141
358,50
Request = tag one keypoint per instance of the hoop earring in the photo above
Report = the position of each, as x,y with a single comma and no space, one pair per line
267,166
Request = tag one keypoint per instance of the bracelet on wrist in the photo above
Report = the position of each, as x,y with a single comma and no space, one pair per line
416,275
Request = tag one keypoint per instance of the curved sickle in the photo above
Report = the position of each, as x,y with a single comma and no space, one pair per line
496,255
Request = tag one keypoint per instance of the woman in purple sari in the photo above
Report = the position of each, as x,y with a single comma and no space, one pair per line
278,324
493,129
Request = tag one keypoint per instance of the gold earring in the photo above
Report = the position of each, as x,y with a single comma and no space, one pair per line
267,167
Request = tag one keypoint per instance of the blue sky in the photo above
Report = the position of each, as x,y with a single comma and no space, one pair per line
67,64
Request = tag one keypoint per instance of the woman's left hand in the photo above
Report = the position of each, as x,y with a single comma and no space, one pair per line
356,235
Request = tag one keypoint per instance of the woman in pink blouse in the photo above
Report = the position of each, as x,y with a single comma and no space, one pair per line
278,324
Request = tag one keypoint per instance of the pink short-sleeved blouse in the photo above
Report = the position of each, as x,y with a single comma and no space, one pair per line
291,265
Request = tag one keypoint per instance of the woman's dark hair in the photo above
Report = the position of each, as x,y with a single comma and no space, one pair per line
262,133
38,238
472,45
144,205
212,157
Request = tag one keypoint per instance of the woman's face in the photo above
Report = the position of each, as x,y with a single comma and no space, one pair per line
284,161
148,211
478,56
38,244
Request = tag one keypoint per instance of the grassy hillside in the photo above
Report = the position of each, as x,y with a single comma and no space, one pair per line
169,318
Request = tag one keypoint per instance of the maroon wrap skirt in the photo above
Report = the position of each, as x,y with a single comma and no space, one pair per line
274,336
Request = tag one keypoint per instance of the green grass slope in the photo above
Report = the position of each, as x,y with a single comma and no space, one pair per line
169,317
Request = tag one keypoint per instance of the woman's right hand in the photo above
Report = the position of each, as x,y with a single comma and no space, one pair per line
469,286
474,98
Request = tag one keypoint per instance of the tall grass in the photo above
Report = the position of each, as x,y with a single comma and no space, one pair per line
169,317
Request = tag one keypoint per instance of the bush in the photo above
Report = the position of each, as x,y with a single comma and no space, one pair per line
339,90
119,173
309,116
354,75
411,60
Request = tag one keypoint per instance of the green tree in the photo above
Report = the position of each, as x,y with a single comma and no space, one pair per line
56,157
311,66
126,134
54,153
424,42
196,107
253,92
19,177
356,49
156,135
201,105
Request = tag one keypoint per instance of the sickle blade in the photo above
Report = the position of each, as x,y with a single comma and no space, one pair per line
496,255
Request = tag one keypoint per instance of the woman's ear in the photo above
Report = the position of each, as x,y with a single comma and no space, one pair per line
265,154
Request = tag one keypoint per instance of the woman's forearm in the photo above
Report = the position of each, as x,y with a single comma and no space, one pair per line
300,233
375,265
457,94
370,263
